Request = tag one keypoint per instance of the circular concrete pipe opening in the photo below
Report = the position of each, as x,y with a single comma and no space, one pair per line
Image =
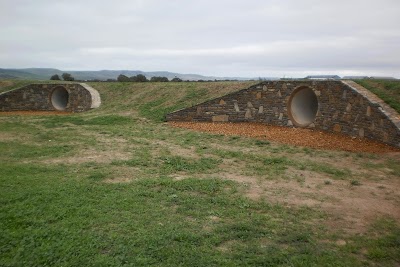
59,98
303,106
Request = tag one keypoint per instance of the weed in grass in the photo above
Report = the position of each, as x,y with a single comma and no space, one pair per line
276,161
355,182
262,143
328,169
302,167
300,179
140,158
307,150
97,176
270,166
229,154
173,164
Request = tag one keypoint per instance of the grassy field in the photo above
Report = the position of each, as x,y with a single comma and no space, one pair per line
117,186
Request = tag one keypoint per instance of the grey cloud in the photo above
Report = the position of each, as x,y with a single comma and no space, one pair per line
231,38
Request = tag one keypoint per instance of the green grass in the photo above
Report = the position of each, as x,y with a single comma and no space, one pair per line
7,85
12,84
341,173
16,150
50,217
117,187
51,122
387,90
173,164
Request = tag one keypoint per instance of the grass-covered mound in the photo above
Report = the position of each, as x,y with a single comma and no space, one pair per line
116,186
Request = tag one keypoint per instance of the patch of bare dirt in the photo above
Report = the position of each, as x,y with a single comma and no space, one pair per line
293,136
90,155
350,208
176,149
7,137
123,174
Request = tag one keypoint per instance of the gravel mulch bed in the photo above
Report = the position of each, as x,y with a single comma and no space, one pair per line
294,136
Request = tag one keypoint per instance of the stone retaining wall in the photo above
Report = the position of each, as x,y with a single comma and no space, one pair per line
343,107
38,97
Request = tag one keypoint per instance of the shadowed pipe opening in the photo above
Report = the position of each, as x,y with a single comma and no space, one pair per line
303,106
59,98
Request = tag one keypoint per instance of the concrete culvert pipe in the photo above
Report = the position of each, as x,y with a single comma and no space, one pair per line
303,106
60,98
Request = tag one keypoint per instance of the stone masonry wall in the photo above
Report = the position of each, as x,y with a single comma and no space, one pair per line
343,107
37,97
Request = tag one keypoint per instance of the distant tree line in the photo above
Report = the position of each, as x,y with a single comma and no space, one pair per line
65,76
141,78
124,78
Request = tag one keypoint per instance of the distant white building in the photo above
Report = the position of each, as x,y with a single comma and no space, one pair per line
323,77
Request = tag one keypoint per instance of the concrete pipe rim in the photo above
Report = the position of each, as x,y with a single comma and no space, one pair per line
59,98
303,106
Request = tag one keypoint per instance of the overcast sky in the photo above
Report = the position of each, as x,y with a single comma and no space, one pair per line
283,38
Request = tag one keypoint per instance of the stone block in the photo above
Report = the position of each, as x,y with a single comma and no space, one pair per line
199,110
337,128
236,106
344,94
220,118
361,133
369,111
248,114
348,107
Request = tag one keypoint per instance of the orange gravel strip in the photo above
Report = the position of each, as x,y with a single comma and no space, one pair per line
293,136
33,113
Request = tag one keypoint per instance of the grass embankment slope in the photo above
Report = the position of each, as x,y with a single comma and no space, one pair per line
387,90
117,187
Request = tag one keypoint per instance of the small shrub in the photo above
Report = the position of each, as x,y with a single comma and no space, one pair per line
262,143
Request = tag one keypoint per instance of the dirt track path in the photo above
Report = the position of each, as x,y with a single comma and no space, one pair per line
293,136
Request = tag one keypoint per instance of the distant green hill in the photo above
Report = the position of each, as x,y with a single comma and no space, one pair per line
19,74
46,73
